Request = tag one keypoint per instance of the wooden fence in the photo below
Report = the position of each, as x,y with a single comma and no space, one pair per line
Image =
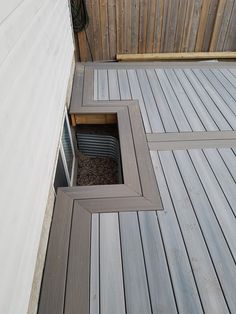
145,26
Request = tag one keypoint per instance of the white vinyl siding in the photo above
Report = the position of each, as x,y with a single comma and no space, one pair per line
36,54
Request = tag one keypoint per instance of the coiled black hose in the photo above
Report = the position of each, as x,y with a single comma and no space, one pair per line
79,15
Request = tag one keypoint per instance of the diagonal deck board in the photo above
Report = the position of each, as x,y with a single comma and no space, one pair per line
174,253
230,161
196,102
225,82
191,99
150,103
162,297
205,276
185,102
217,198
209,104
174,104
211,229
136,93
160,98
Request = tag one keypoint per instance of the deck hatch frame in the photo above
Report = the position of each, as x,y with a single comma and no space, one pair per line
68,250
140,190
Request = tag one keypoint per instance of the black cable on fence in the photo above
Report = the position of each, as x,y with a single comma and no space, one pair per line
80,19
79,15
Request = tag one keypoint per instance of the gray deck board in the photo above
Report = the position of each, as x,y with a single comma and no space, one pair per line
213,110
219,88
217,198
229,76
223,176
220,103
176,109
184,285
230,161
182,259
111,273
162,296
188,251
178,260
103,93
114,90
94,267
136,285
185,102
124,85
205,276
199,107
95,85
233,71
225,82
153,113
188,99
137,95
165,112
218,250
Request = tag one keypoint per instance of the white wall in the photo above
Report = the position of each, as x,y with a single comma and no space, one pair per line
36,51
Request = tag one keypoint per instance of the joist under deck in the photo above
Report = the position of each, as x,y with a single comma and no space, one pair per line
177,260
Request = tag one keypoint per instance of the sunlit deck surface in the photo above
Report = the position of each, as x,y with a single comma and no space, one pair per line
180,259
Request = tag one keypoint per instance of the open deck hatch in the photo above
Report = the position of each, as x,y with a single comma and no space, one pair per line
98,144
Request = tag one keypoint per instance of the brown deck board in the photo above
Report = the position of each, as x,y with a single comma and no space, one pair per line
78,274
54,279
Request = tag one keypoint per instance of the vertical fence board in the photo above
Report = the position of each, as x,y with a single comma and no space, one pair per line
180,25
230,38
171,25
210,25
127,24
145,26
158,26
112,27
164,25
202,24
143,12
83,47
151,26
217,24
194,25
89,31
97,53
119,22
224,25
104,29
187,26
134,25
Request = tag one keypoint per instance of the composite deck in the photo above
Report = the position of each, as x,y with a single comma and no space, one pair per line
178,260
175,99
